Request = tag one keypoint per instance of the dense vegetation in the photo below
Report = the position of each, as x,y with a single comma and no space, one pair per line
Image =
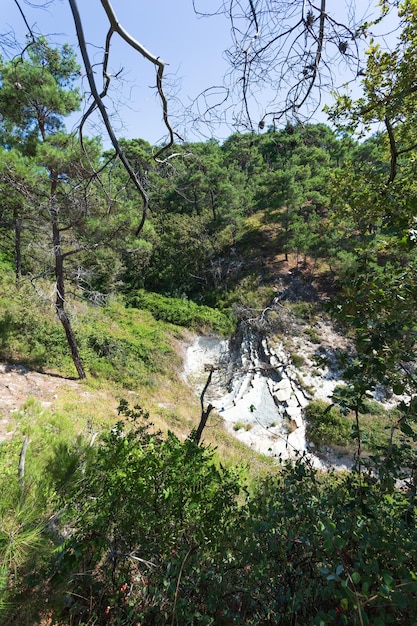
144,528
131,525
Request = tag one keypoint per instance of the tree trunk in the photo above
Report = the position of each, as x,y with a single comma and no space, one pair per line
17,225
60,285
213,204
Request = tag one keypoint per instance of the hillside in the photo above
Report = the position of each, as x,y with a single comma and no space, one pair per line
208,390
128,497
115,498
110,508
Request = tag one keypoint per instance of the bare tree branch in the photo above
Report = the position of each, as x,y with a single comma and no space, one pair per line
116,27
24,18
205,413
284,56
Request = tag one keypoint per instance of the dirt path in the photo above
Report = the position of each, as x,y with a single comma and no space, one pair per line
17,384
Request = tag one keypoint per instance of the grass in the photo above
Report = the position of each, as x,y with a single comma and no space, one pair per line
313,335
242,426
297,359
327,426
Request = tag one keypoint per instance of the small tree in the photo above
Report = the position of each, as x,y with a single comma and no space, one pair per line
37,92
378,295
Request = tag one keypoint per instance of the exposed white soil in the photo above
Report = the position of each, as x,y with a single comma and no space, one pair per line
261,394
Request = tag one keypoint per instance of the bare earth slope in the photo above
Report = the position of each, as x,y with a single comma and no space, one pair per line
18,384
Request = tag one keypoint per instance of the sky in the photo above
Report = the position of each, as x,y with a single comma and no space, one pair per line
191,47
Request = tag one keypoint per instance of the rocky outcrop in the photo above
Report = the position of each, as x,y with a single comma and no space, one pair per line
261,394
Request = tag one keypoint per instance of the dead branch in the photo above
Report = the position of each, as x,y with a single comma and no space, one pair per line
205,413
98,103
288,50
22,459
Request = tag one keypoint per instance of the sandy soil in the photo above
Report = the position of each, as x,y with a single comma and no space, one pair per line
18,384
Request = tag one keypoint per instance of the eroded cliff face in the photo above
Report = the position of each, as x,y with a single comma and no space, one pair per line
262,382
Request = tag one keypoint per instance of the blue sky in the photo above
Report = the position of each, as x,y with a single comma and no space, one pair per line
192,47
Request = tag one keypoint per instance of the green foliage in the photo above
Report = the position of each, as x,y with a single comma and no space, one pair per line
124,345
37,91
6,264
146,528
28,502
169,496
306,310
326,425
28,330
313,335
297,359
182,312
380,428
315,551
119,344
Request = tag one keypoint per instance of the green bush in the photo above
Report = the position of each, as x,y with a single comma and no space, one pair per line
29,330
119,344
318,549
326,425
305,310
143,528
298,360
182,312
125,345
147,514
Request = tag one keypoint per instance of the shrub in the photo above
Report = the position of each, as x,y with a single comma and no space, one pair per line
148,529
326,425
124,345
298,360
182,312
305,310
119,344
147,513
323,549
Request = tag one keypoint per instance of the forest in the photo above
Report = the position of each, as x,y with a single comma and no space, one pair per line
125,502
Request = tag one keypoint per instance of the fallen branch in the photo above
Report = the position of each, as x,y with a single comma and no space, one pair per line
196,435
22,458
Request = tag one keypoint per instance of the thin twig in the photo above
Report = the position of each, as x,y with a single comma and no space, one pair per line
178,583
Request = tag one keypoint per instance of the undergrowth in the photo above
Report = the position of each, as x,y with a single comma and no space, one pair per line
327,425
140,527
183,312
122,345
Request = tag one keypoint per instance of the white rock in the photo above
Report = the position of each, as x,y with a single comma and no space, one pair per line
302,400
283,395
285,383
292,401
293,411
